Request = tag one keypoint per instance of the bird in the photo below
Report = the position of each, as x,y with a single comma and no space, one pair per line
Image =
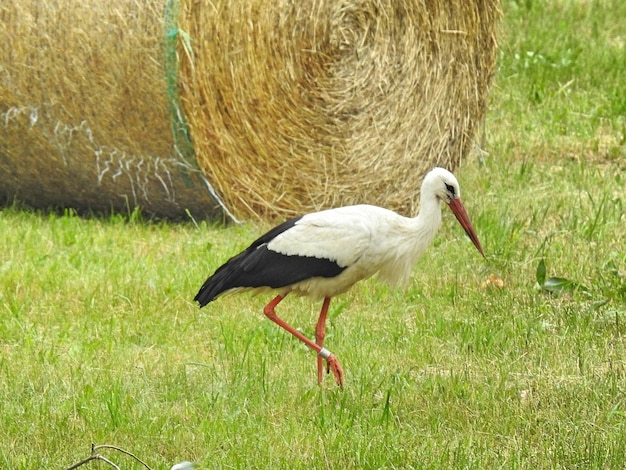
323,254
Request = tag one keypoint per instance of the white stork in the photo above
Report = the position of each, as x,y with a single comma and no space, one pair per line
323,254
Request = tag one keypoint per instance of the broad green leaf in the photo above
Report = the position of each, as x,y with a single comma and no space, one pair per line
559,285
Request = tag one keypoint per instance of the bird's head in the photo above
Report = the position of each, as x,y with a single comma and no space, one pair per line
442,184
445,187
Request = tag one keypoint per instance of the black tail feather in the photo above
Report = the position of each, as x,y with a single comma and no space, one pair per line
224,279
228,276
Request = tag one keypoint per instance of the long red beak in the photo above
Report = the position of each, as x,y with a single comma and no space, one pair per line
461,215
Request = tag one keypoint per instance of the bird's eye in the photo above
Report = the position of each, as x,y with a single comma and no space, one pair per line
450,189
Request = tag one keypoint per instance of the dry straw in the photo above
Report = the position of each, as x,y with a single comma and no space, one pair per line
85,115
300,105
292,105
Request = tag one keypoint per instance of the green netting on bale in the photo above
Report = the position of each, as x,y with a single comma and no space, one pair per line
180,129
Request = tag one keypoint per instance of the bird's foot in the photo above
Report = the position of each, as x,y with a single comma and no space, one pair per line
333,364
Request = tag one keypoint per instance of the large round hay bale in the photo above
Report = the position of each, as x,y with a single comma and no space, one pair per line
86,120
299,105
292,106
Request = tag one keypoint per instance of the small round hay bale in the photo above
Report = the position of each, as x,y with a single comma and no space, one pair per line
85,116
295,106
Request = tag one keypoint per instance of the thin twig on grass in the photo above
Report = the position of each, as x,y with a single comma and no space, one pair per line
95,456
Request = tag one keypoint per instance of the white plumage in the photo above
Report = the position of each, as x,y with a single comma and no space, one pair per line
323,254
365,240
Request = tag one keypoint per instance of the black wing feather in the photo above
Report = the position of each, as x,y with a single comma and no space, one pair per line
258,266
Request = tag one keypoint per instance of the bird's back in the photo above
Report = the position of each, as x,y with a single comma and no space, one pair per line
259,266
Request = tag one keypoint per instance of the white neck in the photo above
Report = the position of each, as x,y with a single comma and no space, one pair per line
427,221
417,236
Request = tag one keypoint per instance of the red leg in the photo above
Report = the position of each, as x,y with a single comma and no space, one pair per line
331,360
320,334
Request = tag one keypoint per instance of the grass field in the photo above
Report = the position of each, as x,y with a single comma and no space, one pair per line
100,341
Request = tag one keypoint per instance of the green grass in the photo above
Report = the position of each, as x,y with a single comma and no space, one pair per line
560,87
100,340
